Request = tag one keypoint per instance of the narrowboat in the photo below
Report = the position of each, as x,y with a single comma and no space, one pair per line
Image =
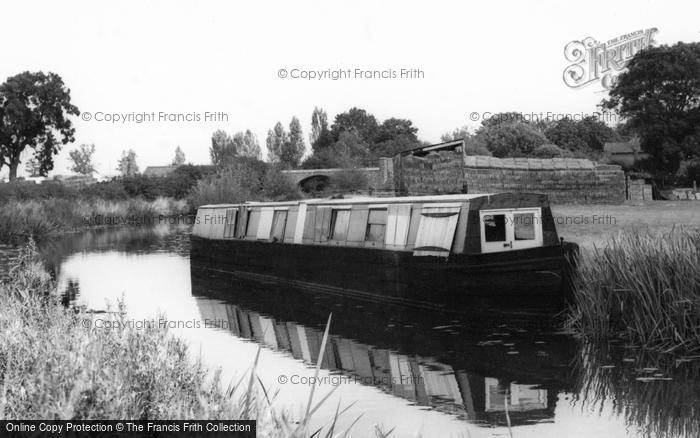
448,252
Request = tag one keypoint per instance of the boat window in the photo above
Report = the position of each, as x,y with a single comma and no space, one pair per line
252,223
376,225
436,230
494,227
279,222
340,220
230,226
524,226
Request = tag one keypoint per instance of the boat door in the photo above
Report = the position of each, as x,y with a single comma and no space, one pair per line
510,229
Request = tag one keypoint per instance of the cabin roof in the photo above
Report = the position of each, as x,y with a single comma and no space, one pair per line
359,200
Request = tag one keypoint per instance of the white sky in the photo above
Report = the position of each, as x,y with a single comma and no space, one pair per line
192,57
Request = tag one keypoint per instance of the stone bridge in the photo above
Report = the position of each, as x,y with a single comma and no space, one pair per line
378,178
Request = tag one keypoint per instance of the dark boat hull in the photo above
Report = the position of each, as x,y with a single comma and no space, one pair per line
528,280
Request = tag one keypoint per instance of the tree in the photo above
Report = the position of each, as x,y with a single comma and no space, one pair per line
358,120
127,164
81,159
293,148
222,148
179,158
473,145
33,167
586,135
34,110
659,98
246,144
511,139
276,138
320,137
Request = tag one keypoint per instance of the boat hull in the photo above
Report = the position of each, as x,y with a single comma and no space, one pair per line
524,280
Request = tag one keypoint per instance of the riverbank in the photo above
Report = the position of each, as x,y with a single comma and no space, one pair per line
21,219
641,287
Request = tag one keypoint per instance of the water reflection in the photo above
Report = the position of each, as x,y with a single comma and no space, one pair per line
404,368
419,357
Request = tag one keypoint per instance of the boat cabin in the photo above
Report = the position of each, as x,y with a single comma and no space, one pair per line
424,225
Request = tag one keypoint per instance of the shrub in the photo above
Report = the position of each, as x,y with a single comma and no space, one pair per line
550,151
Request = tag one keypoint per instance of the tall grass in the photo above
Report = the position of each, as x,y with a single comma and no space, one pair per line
22,219
641,287
54,364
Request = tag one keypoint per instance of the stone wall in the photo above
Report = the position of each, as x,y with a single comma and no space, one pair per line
564,180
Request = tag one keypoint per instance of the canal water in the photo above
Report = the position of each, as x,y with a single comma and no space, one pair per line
414,372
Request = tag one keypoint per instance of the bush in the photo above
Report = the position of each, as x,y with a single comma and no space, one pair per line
550,151
350,180
245,180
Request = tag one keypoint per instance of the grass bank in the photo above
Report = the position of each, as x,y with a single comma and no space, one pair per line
595,225
642,287
20,219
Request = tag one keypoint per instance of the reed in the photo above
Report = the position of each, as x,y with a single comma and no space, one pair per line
22,219
642,287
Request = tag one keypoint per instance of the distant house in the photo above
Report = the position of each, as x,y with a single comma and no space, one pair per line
159,171
625,153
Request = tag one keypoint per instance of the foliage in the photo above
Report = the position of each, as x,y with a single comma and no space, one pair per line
246,144
473,145
34,111
349,180
82,159
359,121
127,163
643,288
225,149
293,148
222,148
179,158
33,167
588,134
276,139
320,137
246,179
550,151
510,139
659,96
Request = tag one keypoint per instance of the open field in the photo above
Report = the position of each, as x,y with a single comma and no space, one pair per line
590,225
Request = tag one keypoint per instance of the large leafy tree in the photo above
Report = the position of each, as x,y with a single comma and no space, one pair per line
586,135
659,97
511,139
81,159
34,114
358,120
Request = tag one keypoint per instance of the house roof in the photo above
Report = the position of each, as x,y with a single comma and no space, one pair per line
158,170
623,147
